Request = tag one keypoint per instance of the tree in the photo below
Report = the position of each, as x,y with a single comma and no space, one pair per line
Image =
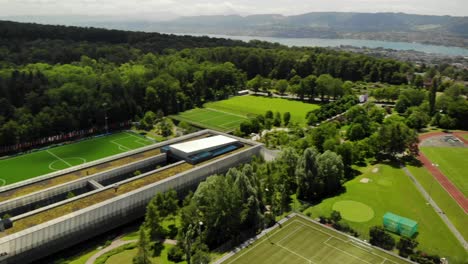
286,118
406,246
282,86
356,132
277,120
153,222
433,95
309,185
143,254
418,81
255,84
380,238
331,172
394,136
335,216
347,153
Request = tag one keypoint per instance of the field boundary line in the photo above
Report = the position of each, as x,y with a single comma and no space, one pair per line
250,249
64,161
219,111
295,253
349,254
137,138
344,241
291,233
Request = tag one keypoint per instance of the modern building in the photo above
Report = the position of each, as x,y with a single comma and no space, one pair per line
44,221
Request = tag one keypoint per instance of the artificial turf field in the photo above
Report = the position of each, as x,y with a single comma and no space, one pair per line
211,118
42,162
452,162
302,241
391,190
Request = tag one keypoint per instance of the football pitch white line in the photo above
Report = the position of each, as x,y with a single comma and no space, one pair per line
121,147
344,241
227,113
3,182
64,161
256,245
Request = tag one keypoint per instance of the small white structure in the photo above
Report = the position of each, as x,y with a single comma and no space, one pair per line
186,149
243,92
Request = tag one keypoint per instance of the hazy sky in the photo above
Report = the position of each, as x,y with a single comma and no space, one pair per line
169,8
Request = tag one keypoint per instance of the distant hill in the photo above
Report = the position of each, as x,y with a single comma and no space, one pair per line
439,30
385,26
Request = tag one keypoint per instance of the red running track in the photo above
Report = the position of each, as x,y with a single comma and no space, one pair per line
456,194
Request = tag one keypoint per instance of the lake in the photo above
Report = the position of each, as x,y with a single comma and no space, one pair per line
316,42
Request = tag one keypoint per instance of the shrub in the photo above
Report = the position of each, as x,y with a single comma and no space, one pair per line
175,254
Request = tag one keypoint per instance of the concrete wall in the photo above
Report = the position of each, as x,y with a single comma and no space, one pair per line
53,192
57,234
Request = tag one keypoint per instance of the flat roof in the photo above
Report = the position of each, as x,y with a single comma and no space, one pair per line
202,144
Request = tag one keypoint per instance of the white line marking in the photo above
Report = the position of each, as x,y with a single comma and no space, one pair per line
290,234
3,182
297,254
349,254
121,147
227,113
50,152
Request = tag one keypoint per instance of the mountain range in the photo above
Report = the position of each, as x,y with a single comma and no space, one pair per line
440,30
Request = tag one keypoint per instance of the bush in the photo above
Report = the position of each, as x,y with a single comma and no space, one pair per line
175,254
380,238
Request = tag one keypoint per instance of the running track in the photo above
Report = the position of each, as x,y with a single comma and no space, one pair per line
456,194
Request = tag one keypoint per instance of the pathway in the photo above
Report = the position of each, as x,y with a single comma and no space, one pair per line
436,208
115,244
118,243
456,194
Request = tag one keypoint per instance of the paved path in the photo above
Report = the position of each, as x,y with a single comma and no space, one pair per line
436,208
117,243
456,194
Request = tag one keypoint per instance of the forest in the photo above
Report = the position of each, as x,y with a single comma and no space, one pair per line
56,79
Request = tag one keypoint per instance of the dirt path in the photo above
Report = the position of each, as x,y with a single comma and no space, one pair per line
456,194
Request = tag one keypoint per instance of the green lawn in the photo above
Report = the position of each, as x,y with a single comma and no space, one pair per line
212,119
452,163
451,208
41,162
258,105
390,190
302,241
125,257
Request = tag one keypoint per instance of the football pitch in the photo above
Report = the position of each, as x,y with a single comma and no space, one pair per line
42,162
211,118
300,240
452,162
227,115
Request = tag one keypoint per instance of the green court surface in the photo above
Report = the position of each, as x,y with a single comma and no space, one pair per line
42,162
452,161
258,105
386,188
210,118
301,241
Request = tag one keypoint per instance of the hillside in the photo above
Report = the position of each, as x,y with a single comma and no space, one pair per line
450,31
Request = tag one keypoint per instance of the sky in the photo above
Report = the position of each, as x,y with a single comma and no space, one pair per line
167,9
